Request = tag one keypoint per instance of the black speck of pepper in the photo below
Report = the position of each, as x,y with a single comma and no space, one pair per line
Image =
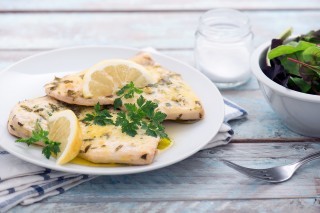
26,108
103,146
94,147
57,78
39,110
67,81
71,92
87,148
20,124
144,157
42,116
179,117
106,135
88,139
198,103
200,115
118,148
152,85
53,88
53,107
12,128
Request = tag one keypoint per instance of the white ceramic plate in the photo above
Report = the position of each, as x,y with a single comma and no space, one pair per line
26,78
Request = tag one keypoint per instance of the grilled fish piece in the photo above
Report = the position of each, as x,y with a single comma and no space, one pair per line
101,144
174,96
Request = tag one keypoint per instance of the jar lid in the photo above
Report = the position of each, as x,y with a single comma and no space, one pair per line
224,25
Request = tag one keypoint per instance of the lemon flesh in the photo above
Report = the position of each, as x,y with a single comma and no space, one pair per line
64,128
107,77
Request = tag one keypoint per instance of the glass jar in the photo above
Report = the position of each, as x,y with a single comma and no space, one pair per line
223,45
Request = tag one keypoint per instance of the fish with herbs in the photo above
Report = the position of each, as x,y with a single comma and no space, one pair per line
174,97
125,127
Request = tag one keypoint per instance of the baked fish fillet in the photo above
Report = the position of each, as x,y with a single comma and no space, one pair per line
101,144
174,96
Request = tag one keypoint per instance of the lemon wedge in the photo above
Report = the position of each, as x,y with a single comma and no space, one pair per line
64,128
107,77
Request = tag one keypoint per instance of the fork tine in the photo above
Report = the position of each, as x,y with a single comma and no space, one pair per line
247,171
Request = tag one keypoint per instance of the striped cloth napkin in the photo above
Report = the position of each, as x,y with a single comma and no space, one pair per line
24,183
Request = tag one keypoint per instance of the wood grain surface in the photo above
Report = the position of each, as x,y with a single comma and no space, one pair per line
160,30
200,183
154,5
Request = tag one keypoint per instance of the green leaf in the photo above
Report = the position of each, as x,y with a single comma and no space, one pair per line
97,107
308,75
289,66
312,36
99,117
159,117
138,91
131,108
304,86
312,55
46,151
89,117
141,100
149,108
289,48
117,103
39,135
151,132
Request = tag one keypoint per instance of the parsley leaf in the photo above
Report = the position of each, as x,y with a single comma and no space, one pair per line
117,103
127,92
40,135
100,116
127,127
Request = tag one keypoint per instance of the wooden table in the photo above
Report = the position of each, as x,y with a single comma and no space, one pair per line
199,183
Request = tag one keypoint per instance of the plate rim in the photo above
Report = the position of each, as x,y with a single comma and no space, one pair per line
102,170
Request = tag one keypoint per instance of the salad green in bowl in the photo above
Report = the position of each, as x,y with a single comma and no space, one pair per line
288,72
295,63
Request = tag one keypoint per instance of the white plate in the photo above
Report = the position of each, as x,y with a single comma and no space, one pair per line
26,78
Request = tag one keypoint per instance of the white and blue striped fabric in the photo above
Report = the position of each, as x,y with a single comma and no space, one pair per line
24,183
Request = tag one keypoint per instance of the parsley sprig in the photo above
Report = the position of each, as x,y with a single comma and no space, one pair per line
141,114
126,92
40,135
100,116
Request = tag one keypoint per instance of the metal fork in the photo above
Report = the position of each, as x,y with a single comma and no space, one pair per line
275,174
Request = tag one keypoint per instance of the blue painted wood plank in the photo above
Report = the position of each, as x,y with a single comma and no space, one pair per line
202,178
310,205
158,5
168,30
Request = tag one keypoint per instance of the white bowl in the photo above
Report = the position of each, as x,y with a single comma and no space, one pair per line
300,112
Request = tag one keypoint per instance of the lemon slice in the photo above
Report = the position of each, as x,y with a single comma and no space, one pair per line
64,128
107,77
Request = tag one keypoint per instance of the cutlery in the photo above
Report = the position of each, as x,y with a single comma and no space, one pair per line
275,174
